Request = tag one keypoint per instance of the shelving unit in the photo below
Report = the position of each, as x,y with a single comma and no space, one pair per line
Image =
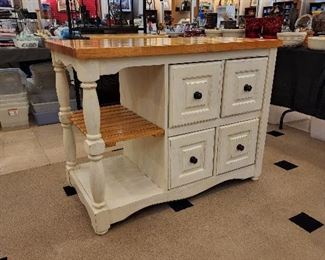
119,124
250,11
285,8
267,10
315,8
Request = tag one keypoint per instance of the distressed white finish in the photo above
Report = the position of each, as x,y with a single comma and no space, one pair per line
195,91
244,86
62,89
94,145
236,145
191,157
156,169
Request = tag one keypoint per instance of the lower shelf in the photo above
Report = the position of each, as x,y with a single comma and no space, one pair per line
129,190
125,183
119,124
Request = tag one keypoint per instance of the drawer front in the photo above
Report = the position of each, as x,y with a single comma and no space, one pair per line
244,85
195,92
191,157
237,145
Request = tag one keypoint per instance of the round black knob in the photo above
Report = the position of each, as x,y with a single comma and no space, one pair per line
248,88
197,95
240,147
193,160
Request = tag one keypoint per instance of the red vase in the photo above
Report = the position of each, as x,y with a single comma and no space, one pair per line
253,27
271,26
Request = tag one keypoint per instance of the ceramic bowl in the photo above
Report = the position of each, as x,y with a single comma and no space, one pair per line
213,33
291,39
238,33
316,43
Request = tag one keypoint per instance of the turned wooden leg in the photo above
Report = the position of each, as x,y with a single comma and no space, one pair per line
62,89
94,144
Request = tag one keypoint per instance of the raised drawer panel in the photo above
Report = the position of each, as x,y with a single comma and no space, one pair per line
237,145
243,86
195,92
191,157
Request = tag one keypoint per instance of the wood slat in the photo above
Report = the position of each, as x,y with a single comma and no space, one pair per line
119,124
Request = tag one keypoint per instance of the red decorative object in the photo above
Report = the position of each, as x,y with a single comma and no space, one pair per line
61,17
253,27
271,26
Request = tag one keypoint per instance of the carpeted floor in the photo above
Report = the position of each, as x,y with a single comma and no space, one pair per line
235,220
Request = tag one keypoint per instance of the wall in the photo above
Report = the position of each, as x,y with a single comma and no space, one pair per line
31,5
61,17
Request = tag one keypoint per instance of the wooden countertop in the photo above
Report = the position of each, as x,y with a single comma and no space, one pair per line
138,47
125,36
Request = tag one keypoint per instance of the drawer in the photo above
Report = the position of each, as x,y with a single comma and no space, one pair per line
244,85
191,157
237,145
194,92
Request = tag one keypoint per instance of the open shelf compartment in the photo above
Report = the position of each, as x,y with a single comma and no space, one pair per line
119,124
125,183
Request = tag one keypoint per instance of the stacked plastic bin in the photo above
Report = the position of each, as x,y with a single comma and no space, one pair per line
44,104
13,99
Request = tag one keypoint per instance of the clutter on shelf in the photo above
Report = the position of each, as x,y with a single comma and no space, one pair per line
13,99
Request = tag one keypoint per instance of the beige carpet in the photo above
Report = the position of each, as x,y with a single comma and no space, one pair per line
235,220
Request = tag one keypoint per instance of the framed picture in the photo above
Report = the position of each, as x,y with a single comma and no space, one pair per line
6,4
74,5
126,4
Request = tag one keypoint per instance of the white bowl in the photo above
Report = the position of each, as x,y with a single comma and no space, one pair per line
238,33
316,43
213,33
291,39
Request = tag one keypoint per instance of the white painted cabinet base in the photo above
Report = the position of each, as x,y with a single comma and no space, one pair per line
114,188
317,128
130,190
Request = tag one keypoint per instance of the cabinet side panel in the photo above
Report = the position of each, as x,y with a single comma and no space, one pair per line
265,112
143,90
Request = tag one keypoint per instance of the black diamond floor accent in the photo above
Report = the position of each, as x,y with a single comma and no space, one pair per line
286,165
275,133
306,222
70,191
179,205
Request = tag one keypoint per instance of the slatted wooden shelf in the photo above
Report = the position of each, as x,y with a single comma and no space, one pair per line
119,124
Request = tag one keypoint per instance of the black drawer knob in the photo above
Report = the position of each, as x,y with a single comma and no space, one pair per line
248,88
197,95
240,147
193,160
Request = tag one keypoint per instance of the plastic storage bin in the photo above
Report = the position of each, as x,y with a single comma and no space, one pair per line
47,113
13,99
14,116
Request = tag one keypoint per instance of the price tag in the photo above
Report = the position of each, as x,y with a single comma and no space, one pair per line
13,112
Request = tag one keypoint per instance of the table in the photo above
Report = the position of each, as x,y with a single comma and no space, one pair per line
299,81
14,55
193,114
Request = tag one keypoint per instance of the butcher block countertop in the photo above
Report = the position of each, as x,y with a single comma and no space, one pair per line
125,36
138,47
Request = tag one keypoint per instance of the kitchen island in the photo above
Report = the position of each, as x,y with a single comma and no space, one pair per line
193,114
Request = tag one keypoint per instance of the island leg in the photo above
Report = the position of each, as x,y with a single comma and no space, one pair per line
62,89
94,145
